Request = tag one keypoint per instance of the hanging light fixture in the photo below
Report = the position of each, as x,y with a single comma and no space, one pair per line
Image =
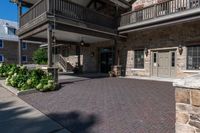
82,43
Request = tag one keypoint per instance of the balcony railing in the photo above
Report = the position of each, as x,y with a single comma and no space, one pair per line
68,10
34,12
162,8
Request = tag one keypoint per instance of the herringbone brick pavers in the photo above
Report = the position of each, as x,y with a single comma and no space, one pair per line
110,105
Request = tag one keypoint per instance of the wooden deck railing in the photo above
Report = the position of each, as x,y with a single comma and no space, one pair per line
162,8
68,10
34,12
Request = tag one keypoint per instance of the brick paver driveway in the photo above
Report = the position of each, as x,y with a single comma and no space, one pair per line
110,105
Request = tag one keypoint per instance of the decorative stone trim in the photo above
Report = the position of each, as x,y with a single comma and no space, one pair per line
187,105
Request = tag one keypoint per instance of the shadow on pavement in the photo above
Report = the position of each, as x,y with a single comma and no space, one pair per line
21,119
75,121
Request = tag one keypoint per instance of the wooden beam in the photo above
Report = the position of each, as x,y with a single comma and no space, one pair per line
107,2
34,31
90,3
132,1
88,31
49,39
44,40
125,2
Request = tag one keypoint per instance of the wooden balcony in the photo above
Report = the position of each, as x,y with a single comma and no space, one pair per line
163,10
46,10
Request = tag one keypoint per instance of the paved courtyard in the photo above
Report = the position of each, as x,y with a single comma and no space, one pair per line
110,105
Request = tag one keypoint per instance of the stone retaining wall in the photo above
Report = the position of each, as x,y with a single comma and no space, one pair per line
187,106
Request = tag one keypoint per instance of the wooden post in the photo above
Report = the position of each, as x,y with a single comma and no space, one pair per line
49,38
78,49
116,53
19,6
20,52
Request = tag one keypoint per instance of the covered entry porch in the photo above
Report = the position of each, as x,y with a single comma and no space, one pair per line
71,25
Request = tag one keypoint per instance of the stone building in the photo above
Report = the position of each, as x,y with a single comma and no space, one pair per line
9,44
154,38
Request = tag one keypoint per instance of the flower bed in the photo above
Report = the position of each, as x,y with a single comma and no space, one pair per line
24,79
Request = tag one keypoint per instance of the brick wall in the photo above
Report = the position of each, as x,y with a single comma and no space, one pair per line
31,48
10,51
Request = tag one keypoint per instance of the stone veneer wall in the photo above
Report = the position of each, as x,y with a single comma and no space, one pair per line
187,110
142,3
139,4
188,105
168,37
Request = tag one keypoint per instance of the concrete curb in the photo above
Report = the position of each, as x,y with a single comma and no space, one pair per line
15,91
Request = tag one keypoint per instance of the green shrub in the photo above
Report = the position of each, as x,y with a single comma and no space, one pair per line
24,79
40,56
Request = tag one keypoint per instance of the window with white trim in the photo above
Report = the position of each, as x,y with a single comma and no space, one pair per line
193,58
1,44
139,59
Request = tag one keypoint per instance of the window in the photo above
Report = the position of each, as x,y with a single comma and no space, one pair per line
1,58
139,58
1,43
194,3
24,46
154,58
11,31
173,59
193,58
24,58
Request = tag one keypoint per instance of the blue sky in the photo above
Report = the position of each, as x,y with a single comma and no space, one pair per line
8,10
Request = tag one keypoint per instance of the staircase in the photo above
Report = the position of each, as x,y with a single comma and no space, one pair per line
66,66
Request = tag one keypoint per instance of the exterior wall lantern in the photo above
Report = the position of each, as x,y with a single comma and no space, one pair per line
180,49
146,51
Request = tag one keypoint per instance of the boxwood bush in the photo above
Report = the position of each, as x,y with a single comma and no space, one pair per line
23,79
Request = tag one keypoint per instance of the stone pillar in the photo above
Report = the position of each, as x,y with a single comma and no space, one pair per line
188,105
49,39
19,5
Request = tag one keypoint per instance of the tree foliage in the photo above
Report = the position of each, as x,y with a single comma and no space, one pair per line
40,56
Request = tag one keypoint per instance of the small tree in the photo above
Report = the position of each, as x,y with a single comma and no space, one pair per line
40,56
